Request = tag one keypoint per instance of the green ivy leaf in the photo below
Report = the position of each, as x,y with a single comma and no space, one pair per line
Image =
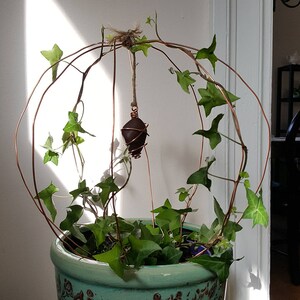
185,80
212,134
73,125
171,255
212,97
100,229
183,193
75,231
206,235
112,257
231,229
82,188
221,247
73,215
53,56
201,176
141,45
107,186
247,183
209,53
98,233
49,142
244,174
219,265
153,230
46,195
256,210
142,249
168,218
166,205
149,21
71,129
51,155
218,211
71,139
125,226
150,233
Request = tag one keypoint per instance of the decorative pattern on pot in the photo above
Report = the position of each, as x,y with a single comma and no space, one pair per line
71,289
209,292
65,291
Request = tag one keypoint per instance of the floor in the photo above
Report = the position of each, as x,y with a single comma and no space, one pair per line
281,287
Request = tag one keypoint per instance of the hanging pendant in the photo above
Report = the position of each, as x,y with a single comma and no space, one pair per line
135,133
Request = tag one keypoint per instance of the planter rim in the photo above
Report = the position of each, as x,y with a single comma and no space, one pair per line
160,276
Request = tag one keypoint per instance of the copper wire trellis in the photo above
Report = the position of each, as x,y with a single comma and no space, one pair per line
137,133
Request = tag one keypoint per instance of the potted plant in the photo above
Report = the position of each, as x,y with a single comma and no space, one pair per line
162,257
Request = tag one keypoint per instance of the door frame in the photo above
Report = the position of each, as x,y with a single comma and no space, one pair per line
244,32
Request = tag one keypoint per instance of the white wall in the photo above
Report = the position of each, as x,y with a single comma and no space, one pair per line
26,270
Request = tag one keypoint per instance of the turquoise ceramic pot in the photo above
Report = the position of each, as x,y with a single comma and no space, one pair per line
84,279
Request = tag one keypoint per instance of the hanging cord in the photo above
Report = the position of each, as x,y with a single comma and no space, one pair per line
134,106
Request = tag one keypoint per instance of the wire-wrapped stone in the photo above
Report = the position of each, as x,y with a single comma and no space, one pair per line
135,133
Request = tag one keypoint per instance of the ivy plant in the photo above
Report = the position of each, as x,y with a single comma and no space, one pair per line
126,244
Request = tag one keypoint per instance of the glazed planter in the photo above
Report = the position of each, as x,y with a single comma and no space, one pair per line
85,279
